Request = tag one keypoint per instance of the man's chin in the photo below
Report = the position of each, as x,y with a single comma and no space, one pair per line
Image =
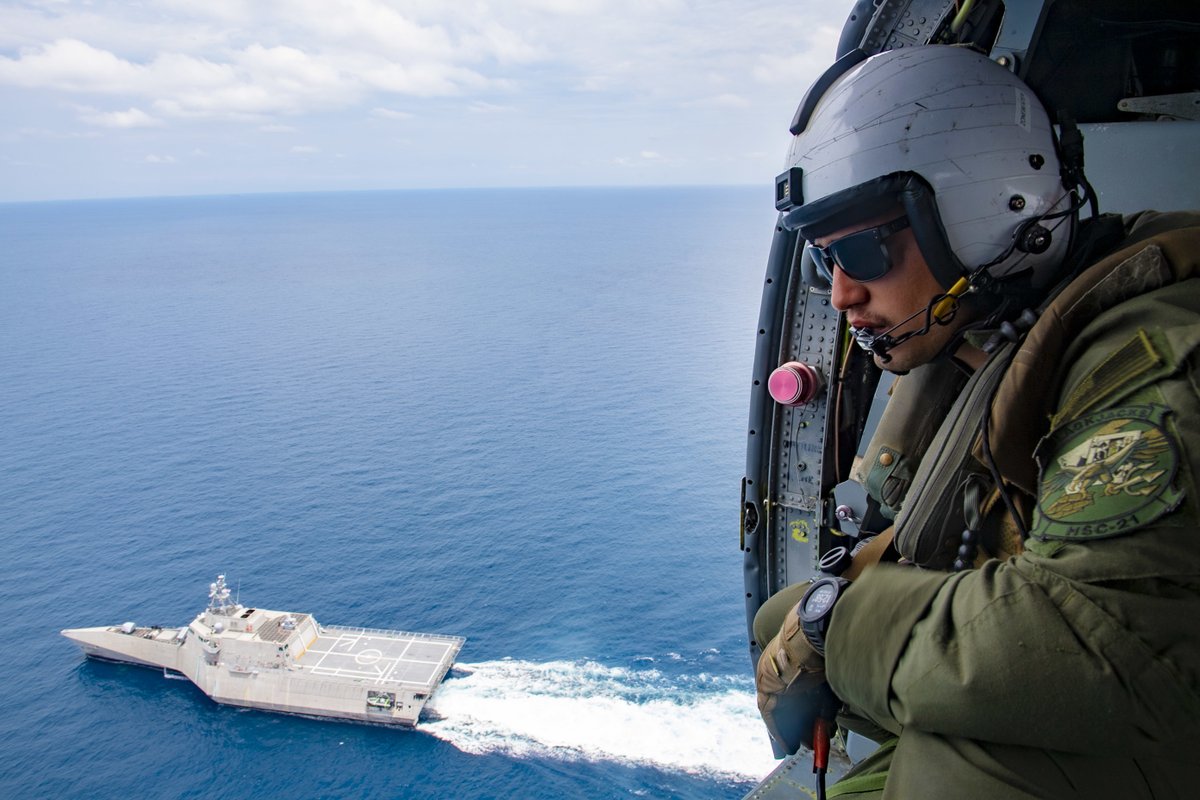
891,365
900,360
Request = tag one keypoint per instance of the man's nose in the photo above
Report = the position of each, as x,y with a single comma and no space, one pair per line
846,292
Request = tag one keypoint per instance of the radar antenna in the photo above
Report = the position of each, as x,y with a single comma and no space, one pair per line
218,597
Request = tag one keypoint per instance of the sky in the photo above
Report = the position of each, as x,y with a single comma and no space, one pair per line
191,97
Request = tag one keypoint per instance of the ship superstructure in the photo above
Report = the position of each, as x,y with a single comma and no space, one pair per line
286,661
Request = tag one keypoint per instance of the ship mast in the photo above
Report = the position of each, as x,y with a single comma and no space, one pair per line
218,598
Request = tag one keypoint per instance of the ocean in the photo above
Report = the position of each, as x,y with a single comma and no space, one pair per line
516,416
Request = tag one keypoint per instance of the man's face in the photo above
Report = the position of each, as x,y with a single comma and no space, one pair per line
878,305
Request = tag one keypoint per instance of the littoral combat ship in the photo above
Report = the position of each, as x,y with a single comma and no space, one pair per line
286,661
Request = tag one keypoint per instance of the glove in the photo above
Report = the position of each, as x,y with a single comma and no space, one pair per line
790,679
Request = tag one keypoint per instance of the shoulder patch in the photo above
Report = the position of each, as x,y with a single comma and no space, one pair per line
1106,474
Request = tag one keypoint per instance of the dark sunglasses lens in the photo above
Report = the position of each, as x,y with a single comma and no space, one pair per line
861,256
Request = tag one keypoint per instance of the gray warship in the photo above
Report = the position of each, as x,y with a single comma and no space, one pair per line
286,661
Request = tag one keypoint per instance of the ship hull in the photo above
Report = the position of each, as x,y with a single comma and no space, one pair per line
103,644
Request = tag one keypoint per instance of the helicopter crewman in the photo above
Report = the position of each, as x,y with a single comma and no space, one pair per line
1035,630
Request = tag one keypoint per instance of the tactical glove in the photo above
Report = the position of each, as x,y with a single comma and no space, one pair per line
791,685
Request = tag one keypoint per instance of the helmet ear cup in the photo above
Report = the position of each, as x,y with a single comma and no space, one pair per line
921,208
808,269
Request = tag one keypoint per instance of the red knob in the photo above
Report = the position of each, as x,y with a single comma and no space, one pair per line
794,384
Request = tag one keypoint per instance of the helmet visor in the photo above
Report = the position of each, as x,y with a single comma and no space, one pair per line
863,256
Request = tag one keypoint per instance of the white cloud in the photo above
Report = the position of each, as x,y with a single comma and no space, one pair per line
304,149
46,133
388,113
254,80
602,75
243,57
289,69
803,65
595,83
133,118
421,80
505,45
154,159
479,107
70,65
371,23
725,100
571,8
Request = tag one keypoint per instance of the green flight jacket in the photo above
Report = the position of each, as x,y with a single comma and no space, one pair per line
1072,667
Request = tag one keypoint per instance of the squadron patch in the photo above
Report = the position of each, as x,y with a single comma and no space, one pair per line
1106,474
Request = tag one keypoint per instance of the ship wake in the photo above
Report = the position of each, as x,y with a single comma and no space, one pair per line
701,724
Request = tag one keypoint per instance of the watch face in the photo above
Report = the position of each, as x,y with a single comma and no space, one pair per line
820,601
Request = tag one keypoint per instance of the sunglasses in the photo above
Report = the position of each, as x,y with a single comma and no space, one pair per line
862,256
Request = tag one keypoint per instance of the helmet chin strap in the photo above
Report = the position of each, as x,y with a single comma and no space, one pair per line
938,311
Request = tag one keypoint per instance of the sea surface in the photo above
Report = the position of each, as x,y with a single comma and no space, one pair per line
512,415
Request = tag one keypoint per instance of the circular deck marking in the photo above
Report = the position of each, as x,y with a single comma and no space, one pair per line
365,657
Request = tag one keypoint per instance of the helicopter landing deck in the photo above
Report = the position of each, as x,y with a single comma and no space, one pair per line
380,656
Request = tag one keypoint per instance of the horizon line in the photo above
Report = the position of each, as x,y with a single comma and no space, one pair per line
465,189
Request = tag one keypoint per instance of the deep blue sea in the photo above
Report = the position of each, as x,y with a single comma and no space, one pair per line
512,415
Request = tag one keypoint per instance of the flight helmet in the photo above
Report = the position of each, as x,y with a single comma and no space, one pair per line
958,141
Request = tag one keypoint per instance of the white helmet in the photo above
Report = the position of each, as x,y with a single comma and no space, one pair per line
958,140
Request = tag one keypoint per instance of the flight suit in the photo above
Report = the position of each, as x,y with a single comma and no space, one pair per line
1067,662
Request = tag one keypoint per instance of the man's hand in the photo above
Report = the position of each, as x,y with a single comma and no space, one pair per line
791,685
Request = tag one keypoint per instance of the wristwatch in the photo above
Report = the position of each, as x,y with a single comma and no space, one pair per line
816,608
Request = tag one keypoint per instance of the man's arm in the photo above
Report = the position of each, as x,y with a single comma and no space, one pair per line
1017,653
1088,643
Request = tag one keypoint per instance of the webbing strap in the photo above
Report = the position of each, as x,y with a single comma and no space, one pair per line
859,784
867,782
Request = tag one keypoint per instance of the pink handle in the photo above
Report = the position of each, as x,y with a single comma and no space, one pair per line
794,384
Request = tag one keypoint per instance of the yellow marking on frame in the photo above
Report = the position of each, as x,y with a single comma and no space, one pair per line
800,530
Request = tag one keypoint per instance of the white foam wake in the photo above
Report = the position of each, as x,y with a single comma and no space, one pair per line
581,710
